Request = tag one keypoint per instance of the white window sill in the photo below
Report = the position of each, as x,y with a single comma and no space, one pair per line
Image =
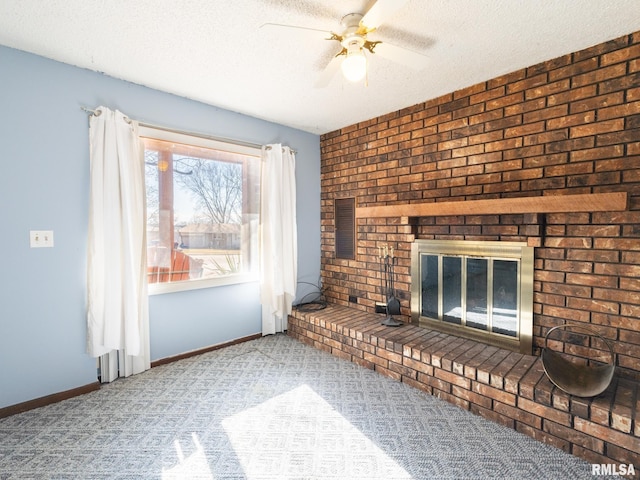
171,287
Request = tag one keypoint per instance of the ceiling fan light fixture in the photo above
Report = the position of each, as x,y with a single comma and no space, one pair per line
354,66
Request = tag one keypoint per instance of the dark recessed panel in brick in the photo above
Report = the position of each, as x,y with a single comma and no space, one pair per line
345,228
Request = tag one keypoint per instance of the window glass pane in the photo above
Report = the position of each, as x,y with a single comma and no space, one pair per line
452,289
505,297
202,211
476,310
429,270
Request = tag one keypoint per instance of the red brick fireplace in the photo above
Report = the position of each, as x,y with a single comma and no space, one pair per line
567,126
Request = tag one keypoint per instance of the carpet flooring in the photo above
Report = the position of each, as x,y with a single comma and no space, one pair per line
271,408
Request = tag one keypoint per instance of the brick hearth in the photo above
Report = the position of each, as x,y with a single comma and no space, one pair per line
503,386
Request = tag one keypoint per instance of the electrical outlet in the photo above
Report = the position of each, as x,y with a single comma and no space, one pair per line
41,238
381,307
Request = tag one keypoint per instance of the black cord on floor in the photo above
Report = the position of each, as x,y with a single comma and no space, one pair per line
312,301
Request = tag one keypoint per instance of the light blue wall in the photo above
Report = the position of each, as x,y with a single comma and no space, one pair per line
44,186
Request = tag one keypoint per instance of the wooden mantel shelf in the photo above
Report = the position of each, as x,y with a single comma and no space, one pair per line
590,202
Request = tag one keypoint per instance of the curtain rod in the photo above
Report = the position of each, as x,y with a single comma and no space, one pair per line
96,113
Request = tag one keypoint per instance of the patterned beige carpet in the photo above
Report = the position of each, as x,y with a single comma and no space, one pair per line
271,408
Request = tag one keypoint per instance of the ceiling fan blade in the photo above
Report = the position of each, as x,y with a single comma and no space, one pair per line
329,72
312,31
379,12
403,56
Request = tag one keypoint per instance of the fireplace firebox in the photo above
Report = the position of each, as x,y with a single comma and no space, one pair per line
474,289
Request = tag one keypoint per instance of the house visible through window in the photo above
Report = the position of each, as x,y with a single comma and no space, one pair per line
202,210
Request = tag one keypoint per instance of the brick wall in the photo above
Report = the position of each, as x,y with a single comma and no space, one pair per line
566,126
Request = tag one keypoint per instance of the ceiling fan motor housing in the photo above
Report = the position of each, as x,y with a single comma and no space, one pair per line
353,35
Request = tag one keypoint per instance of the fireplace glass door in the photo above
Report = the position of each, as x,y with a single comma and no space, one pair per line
477,305
504,308
452,290
472,290
479,293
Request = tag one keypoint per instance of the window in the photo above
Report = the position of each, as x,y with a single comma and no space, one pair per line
203,201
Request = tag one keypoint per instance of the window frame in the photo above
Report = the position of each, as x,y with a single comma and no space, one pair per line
196,140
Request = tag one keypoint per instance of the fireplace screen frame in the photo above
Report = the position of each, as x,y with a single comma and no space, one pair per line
518,252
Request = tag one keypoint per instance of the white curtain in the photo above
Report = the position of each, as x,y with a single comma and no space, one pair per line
117,300
278,237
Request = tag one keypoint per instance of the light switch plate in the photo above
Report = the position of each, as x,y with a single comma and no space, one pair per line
41,238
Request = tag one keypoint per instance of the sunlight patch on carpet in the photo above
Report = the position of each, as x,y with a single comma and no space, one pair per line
299,433
193,466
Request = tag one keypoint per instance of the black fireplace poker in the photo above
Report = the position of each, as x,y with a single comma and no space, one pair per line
387,260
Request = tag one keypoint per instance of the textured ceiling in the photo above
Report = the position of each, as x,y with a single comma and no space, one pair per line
214,51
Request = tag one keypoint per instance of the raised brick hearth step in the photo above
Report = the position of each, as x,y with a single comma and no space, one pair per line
503,386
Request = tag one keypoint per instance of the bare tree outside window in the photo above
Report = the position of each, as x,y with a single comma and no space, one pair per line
216,186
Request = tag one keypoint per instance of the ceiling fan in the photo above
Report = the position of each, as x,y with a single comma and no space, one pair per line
354,41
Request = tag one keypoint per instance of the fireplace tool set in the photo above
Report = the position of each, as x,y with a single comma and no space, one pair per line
387,260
